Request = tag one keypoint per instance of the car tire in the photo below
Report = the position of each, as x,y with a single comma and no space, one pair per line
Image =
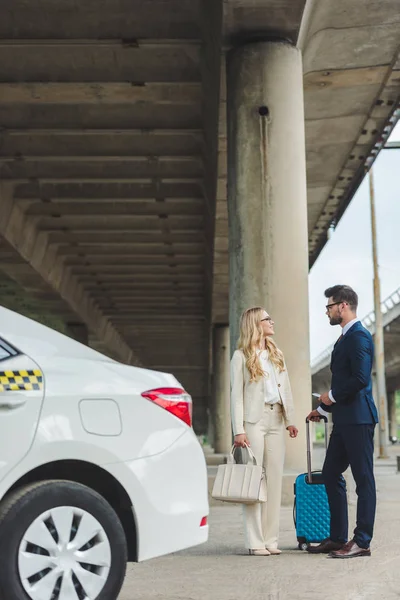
42,511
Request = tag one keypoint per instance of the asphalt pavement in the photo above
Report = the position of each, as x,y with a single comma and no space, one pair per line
222,570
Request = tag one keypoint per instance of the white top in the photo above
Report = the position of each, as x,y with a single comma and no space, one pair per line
349,325
271,392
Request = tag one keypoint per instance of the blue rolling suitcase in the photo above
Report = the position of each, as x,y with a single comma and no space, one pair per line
311,509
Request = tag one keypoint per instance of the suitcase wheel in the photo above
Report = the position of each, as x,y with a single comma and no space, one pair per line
303,544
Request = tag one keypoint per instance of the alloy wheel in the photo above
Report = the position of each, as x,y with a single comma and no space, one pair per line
65,554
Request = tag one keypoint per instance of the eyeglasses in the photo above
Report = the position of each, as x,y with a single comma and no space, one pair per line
328,306
269,319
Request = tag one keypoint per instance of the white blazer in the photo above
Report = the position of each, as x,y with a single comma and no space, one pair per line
248,398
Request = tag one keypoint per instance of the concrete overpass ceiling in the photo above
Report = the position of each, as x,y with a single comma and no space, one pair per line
107,170
351,89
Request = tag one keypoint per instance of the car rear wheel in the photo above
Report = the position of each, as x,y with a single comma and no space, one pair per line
60,540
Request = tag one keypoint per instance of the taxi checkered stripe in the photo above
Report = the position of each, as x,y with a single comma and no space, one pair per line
14,381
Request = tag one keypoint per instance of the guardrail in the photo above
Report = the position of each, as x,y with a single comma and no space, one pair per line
368,321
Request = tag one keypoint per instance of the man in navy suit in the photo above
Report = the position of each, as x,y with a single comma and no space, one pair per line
354,417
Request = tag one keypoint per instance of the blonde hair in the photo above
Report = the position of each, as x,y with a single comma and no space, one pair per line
250,341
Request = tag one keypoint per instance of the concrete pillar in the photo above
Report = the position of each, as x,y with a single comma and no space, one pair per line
79,332
267,206
392,414
221,390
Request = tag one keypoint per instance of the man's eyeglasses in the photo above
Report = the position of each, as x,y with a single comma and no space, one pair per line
328,306
269,319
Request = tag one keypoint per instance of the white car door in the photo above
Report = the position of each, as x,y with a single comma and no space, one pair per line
21,397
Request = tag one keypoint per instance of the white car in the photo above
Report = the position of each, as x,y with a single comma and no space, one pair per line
98,465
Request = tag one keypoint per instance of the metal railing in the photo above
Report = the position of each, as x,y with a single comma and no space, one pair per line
368,321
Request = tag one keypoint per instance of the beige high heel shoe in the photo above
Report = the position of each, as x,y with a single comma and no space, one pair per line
274,551
259,552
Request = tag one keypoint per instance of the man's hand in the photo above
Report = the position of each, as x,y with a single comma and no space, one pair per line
324,398
293,431
241,441
314,416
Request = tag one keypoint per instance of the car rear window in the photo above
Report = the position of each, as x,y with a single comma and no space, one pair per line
6,351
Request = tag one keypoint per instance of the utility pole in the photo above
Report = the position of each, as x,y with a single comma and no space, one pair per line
379,344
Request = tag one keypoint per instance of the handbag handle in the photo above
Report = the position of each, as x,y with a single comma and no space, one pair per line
251,457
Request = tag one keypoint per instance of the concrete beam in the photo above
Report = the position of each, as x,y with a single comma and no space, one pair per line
122,289
99,93
220,300
124,249
255,19
19,231
98,60
105,19
106,206
102,181
100,142
336,79
115,189
146,115
152,301
136,269
103,158
138,44
211,20
110,238
143,312
92,167
132,260
123,223
165,277
124,305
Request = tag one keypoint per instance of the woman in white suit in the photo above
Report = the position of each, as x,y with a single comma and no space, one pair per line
262,408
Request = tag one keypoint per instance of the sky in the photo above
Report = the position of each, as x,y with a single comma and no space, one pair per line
347,257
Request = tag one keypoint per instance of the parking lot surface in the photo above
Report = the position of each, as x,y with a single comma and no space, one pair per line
221,569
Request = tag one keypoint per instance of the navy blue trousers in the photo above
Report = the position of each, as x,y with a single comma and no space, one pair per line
351,445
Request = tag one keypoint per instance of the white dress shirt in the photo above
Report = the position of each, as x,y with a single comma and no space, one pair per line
345,329
270,386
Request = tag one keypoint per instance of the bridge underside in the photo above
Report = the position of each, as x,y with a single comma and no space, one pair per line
113,203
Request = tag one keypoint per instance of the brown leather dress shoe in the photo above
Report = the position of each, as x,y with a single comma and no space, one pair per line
350,550
325,547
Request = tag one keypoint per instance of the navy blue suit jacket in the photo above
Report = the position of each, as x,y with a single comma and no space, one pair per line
351,366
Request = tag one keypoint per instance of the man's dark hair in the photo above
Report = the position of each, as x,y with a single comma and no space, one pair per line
343,293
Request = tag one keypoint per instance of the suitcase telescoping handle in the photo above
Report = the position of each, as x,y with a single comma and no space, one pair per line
309,444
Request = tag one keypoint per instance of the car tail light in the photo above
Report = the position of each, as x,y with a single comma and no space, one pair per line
203,522
174,400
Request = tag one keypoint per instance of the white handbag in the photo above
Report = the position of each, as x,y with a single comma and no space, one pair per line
242,483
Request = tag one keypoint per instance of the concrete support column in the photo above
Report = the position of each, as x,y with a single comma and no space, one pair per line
79,332
221,390
392,414
267,204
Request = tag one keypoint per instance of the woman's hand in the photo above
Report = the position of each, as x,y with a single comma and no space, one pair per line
293,431
241,440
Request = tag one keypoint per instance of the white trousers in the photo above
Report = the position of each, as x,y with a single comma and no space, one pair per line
267,440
